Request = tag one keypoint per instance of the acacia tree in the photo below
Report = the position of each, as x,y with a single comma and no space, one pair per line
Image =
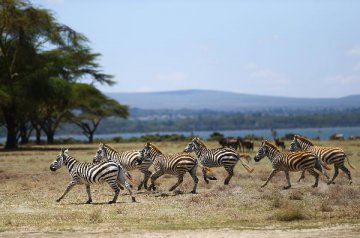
91,107
28,35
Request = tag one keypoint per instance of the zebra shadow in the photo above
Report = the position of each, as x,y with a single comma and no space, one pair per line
98,203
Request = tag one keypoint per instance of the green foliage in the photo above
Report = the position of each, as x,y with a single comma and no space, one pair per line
39,58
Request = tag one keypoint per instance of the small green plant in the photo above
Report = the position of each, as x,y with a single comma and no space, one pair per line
290,212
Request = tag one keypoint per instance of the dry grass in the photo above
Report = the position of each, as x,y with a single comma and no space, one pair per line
28,190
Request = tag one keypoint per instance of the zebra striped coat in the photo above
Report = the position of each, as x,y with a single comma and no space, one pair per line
289,161
175,164
89,173
220,157
328,155
129,160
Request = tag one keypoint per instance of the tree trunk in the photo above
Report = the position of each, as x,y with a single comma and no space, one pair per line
38,135
11,141
91,137
50,137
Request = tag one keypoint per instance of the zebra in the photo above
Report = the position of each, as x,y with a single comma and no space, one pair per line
90,173
327,155
289,161
225,157
175,164
129,160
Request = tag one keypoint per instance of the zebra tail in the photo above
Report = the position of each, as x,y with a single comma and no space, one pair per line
129,177
206,168
247,167
326,166
351,166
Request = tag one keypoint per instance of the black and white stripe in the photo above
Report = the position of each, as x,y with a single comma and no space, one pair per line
327,155
129,160
174,164
289,161
220,157
90,173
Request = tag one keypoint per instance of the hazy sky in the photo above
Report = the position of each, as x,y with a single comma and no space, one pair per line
284,48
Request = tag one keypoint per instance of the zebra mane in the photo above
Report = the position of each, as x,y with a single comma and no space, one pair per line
197,139
303,139
271,145
109,147
155,148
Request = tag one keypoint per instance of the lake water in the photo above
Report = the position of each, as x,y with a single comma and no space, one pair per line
323,133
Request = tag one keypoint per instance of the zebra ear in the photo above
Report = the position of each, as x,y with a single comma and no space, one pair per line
66,151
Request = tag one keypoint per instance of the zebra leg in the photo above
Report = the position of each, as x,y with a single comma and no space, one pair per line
273,172
122,180
230,171
114,185
334,176
287,179
302,176
69,187
204,171
319,166
147,175
347,171
154,177
194,177
316,175
180,180
88,193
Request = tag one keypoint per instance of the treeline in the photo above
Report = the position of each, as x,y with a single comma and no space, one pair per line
230,121
42,63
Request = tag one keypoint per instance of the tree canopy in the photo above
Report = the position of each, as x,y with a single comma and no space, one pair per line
40,59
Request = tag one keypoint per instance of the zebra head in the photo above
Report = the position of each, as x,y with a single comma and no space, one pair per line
262,152
56,164
100,153
145,153
192,146
295,144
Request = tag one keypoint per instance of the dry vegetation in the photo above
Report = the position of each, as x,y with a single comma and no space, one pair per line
28,190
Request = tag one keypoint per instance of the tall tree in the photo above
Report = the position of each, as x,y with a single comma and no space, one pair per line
33,43
91,107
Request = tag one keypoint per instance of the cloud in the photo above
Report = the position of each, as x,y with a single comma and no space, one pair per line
261,74
346,79
355,51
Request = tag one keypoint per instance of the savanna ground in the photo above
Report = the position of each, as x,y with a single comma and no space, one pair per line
28,190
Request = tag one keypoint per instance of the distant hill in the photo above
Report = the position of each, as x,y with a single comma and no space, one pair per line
229,101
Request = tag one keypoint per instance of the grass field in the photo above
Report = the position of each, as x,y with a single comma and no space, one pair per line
28,190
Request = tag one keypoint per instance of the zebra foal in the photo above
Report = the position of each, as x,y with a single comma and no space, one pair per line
327,155
289,161
175,164
220,157
129,160
89,173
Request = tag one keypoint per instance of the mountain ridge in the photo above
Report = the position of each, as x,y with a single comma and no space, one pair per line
196,99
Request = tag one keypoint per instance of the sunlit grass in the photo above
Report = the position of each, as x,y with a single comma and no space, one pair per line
28,190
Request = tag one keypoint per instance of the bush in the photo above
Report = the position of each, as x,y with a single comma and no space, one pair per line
290,212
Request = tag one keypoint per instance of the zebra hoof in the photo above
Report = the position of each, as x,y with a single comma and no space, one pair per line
58,200
286,187
350,182
88,201
314,186
193,192
111,202
133,199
